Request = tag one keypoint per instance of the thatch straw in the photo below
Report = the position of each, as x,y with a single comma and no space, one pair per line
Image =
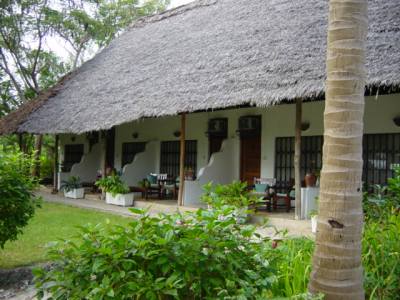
213,54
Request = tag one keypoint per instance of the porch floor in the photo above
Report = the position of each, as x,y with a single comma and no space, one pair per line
276,220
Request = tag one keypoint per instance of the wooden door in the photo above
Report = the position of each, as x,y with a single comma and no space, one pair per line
250,158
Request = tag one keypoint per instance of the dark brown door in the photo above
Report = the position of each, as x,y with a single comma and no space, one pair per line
215,143
250,158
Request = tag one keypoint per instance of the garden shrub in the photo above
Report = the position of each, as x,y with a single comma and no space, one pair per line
381,246
381,256
292,262
202,255
235,194
17,202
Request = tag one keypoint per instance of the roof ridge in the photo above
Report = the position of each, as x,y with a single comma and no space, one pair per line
171,13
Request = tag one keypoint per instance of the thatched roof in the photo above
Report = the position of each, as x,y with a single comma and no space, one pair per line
213,54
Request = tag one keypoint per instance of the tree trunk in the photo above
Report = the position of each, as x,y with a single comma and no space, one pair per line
297,160
337,271
38,152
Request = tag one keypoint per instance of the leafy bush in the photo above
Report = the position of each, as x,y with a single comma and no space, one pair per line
113,184
384,199
292,258
394,188
381,256
72,183
17,202
235,194
46,166
381,247
193,256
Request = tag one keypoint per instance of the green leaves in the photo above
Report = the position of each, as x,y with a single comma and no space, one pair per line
235,194
113,184
17,202
180,256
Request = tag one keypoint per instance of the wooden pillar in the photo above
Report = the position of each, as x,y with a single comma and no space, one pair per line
182,160
55,166
297,159
103,136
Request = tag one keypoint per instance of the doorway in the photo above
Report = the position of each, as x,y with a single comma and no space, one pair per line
250,158
250,148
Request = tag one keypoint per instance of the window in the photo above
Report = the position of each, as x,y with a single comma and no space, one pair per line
129,151
72,155
169,160
381,153
311,158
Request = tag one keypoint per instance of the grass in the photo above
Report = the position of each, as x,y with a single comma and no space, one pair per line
50,223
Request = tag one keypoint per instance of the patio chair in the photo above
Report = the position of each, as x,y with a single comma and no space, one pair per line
171,187
286,198
156,182
264,187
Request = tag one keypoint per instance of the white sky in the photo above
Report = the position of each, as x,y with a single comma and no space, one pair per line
175,3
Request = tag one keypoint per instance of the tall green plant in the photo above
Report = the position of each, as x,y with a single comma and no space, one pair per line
381,256
17,201
292,258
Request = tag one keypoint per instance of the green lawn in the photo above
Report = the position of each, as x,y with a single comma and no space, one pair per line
51,222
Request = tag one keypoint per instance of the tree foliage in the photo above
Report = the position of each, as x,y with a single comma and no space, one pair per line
17,202
28,29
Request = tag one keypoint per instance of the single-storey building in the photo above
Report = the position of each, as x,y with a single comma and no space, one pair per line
234,69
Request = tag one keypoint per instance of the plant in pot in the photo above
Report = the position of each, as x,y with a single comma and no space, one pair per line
314,217
234,194
313,214
72,188
117,192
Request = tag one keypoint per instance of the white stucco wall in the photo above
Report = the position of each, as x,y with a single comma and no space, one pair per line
90,163
143,164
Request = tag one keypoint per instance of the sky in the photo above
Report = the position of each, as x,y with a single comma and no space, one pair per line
175,3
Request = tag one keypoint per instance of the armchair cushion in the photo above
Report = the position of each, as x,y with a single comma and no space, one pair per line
152,178
261,187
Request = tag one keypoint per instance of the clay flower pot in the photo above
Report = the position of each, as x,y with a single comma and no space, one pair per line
310,179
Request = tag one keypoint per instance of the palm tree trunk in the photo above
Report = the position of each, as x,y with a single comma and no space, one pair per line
337,271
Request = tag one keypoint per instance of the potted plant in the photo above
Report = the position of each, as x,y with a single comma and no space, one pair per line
117,192
189,173
234,194
72,188
314,217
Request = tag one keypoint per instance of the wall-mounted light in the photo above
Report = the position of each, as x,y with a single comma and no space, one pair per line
396,121
135,135
177,133
305,126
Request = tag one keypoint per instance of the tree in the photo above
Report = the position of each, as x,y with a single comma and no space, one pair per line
337,271
88,23
27,66
17,202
